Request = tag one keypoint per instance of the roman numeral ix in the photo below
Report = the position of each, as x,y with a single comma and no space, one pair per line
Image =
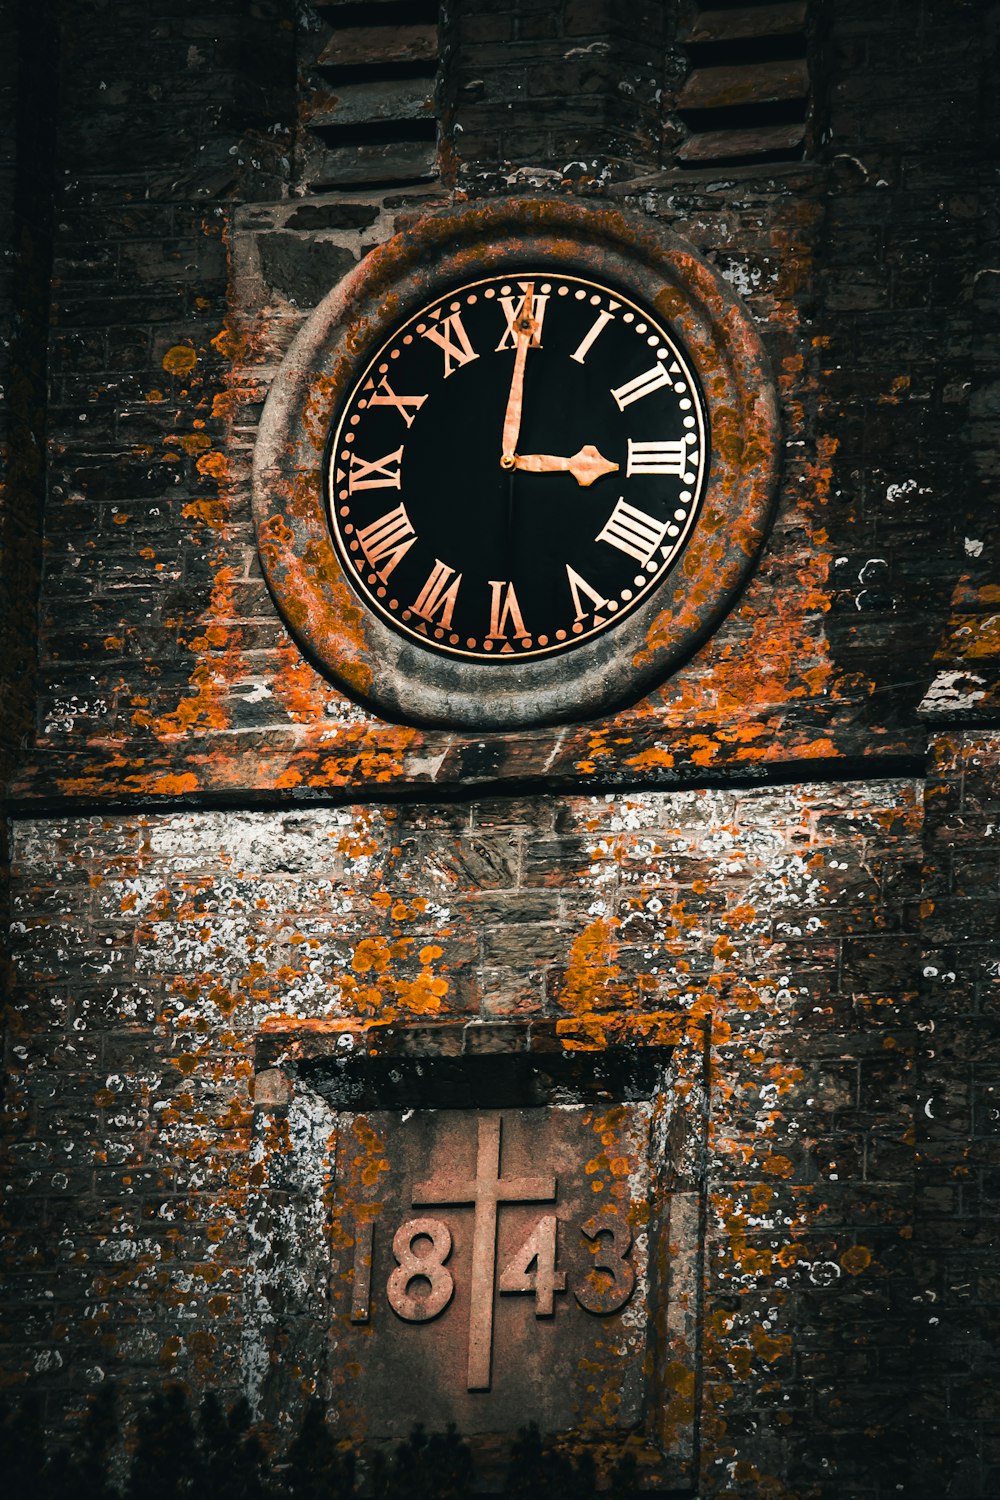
379,474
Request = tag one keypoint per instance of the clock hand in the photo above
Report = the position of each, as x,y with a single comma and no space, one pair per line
525,329
585,466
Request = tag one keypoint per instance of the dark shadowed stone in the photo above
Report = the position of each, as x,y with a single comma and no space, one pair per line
302,270
333,216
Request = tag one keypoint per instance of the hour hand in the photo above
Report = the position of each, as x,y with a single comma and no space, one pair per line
585,466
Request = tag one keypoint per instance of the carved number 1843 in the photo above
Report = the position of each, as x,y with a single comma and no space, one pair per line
421,1247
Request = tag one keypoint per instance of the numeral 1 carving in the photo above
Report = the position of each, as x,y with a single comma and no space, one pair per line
438,595
361,1285
670,457
380,473
457,351
386,540
632,531
641,385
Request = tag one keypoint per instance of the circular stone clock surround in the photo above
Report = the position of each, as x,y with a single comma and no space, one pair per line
322,599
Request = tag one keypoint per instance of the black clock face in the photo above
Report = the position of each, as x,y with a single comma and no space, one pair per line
518,466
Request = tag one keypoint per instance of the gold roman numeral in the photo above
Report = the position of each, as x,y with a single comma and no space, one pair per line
632,531
379,474
512,307
670,457
642,385
438,595
401,403
457,353
386,540
599,325
578,586
504,611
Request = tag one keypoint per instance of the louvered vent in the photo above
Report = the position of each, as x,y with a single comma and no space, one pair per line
746,96
367,85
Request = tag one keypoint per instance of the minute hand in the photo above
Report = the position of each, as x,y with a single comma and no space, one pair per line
585,466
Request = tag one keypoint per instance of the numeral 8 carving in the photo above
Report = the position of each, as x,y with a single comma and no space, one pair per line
427,1267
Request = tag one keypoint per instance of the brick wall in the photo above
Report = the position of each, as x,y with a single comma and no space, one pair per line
210,838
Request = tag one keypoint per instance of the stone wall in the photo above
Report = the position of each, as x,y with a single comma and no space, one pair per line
788,849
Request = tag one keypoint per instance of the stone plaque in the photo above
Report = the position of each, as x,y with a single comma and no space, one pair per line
490,1267
488,1226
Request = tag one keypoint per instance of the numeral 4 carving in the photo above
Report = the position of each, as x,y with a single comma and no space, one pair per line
538,1251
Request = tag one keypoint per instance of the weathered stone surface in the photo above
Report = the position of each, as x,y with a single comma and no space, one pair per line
782,862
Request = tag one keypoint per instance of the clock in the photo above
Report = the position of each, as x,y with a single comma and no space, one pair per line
516,467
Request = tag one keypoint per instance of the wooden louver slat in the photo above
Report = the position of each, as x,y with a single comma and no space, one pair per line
379,45
755,83
372,103
747,21
733,145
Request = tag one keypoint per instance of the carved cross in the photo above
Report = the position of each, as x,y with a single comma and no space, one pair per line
485,1191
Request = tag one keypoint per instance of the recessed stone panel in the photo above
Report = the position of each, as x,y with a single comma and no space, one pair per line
490,1268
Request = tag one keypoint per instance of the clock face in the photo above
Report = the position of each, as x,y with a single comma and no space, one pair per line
518,466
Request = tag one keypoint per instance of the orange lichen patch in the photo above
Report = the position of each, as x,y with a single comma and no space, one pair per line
592,975
229,343
589,1033
213,465
191,442
971,637
777,1165
855,1260
173,786
371,954
210,513
180,360
768,1348
653,759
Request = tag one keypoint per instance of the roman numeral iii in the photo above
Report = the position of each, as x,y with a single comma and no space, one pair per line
669,457
632,531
